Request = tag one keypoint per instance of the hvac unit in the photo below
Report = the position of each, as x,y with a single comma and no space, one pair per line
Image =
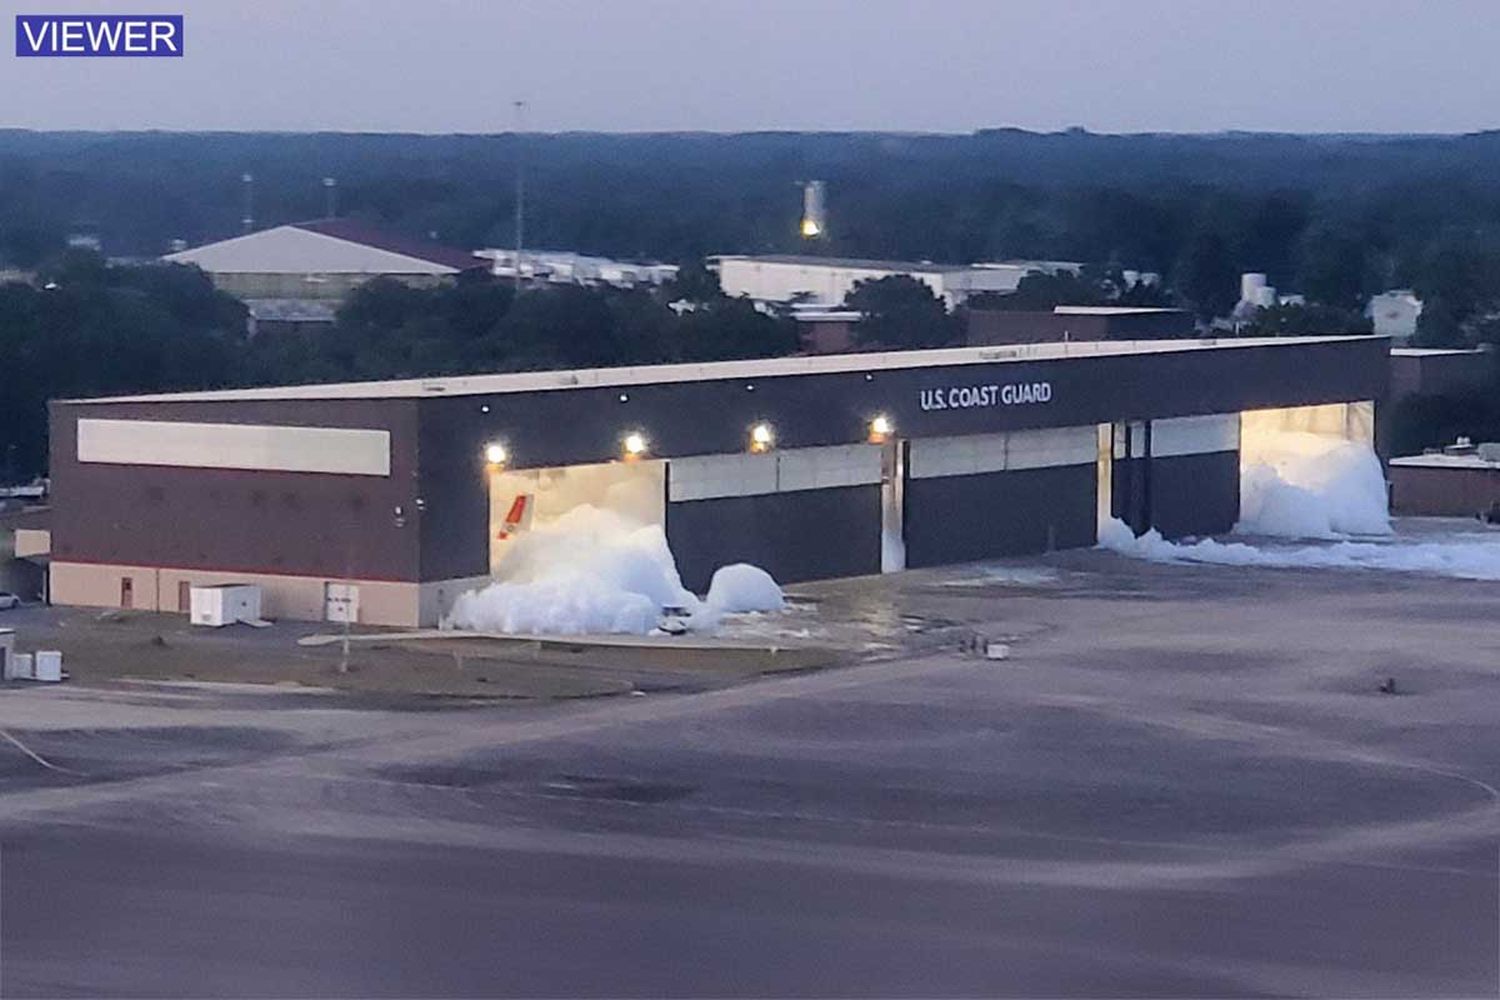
7,653
20,667
224,604
48,666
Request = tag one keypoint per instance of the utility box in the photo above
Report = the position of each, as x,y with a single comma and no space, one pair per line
224,604
7,652
47,666
19,667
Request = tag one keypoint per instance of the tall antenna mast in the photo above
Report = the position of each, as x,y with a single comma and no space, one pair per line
248,219
520,107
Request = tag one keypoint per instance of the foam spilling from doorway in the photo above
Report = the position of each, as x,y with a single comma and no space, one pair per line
1468,557
593,571
1302,485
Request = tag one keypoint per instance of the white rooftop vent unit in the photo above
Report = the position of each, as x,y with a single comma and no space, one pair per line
1464,445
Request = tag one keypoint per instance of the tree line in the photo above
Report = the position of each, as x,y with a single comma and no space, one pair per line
1334,218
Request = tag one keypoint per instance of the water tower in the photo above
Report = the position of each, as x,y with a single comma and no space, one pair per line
814,212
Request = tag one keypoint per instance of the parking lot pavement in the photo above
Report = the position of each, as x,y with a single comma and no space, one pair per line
1184,781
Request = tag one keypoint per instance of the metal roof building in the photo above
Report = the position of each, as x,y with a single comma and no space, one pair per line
324,259
400,489
826,280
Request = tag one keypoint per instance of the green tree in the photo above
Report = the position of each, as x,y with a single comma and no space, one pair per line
901,312
1041,291
695,283
1333,268
733,328
1305,321
1438,325
1206,277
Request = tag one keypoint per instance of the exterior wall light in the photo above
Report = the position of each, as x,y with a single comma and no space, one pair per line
881,428
635,444
762,438
496,454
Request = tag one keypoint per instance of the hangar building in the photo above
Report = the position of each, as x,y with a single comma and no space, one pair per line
320,261
383,501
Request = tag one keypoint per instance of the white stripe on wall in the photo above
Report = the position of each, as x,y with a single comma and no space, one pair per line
1195,435
957,456
973,454
705,477
825,468
261,447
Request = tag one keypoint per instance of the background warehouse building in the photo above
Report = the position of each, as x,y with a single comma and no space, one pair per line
386,500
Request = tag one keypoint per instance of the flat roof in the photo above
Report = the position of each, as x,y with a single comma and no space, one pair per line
1428,352
823,364
1112,310
1469,461
827,315
807,260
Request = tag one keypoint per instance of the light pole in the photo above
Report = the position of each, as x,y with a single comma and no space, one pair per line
520,107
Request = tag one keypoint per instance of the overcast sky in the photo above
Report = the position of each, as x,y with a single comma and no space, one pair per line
731,65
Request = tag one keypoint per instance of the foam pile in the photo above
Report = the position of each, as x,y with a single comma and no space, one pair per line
1302,485
741,587
1468,558
592,571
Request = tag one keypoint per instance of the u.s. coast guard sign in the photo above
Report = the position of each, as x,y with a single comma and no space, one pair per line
965,397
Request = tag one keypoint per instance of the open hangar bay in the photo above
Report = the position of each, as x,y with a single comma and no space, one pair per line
1184,782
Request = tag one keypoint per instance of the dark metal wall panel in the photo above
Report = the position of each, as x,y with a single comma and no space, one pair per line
1036,327
240,520
804,535
1195,494
958,519
456,490
1178,495
1443,492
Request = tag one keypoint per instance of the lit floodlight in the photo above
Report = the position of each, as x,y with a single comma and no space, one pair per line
635,444
495,453
762,437
881,428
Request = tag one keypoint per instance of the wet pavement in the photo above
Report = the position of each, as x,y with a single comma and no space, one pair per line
1184,781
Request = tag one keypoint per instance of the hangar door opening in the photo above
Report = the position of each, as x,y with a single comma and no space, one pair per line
1312,470
593,502
1266,434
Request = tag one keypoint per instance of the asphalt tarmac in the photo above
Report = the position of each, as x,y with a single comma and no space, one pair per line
1183,782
